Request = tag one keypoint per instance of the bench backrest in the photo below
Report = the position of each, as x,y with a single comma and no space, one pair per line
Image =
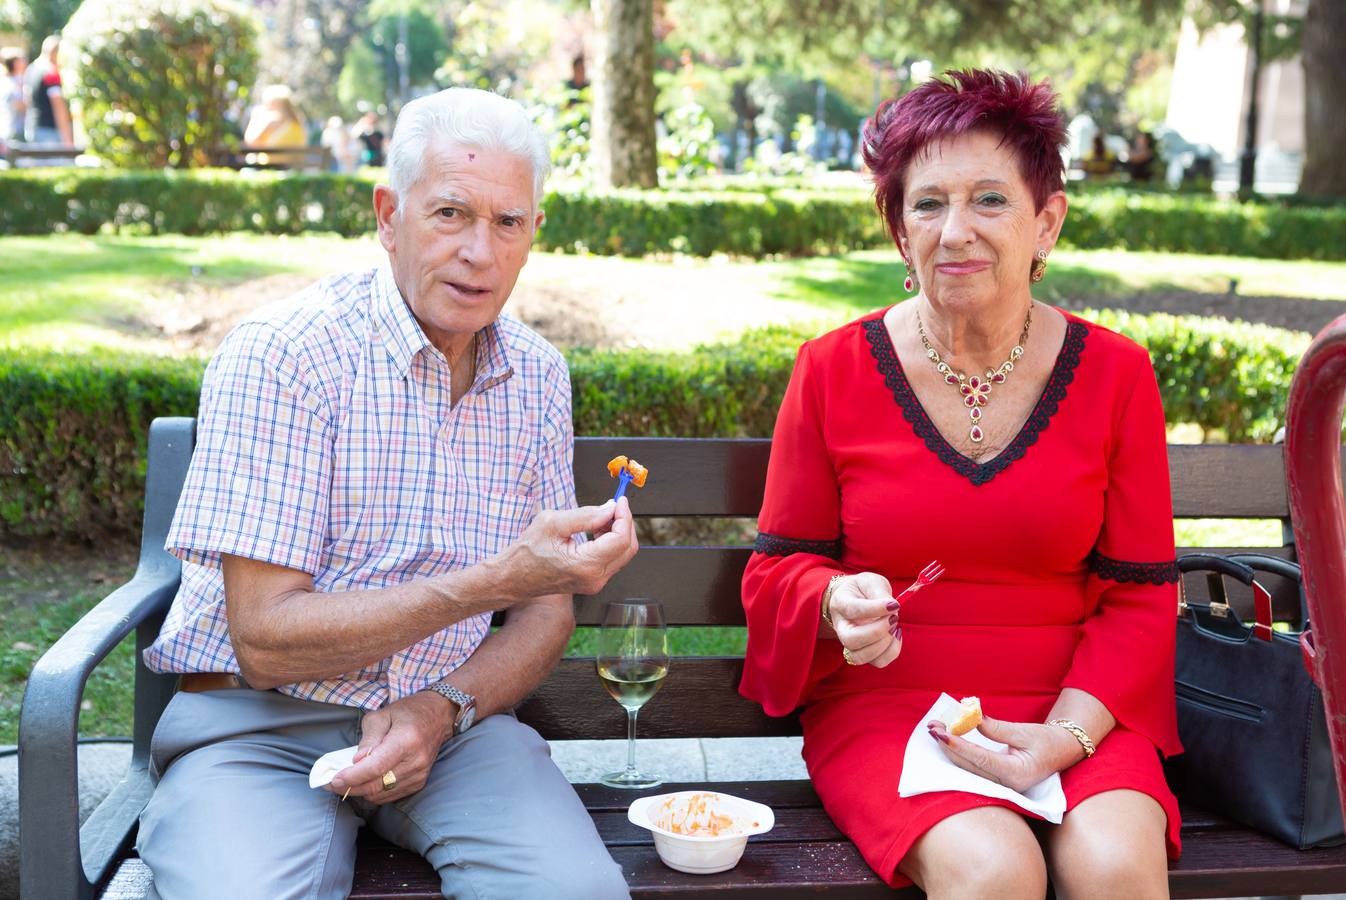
723,478
700,585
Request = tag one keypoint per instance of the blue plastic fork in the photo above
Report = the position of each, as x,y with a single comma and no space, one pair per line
623,479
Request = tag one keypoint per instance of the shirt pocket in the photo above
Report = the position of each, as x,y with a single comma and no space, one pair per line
503,517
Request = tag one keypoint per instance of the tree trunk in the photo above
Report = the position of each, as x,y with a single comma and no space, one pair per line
1324,99
622,148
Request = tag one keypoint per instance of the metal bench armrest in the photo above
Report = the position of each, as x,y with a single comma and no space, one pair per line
51,863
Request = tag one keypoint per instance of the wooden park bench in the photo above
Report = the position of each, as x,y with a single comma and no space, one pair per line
803,855
23,155
307,159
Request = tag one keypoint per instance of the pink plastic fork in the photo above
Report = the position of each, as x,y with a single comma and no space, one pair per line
929,575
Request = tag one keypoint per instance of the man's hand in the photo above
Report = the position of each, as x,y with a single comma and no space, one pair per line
864,616
1032,752
546,559
403,738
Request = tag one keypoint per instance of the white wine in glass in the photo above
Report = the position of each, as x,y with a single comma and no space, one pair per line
632,663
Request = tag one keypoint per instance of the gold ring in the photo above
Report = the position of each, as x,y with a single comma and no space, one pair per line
389,780
850,660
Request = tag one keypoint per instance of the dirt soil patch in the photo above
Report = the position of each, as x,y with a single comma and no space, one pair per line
1294,313
663,305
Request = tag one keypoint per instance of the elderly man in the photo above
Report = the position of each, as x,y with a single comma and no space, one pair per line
382,462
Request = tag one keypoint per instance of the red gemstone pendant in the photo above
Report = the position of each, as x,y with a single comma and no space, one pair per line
975,434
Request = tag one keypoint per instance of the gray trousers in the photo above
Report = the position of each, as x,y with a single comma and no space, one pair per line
233,815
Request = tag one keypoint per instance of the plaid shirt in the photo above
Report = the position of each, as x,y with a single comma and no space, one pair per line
327,443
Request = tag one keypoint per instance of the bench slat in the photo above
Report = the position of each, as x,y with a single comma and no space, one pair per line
805,852
1228,481
726,476
1238,863
697,585
688,476
701,585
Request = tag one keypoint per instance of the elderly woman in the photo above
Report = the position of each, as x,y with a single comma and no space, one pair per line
1024,448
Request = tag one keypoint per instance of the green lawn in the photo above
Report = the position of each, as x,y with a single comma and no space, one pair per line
42,593
69,291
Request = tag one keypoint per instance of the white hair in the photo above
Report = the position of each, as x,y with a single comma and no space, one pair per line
469,117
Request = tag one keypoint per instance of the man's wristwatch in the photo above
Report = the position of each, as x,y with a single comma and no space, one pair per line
467,705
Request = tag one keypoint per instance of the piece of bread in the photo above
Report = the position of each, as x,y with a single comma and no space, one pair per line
965,718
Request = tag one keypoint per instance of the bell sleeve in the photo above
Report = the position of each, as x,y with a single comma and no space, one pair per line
1125,654
798,545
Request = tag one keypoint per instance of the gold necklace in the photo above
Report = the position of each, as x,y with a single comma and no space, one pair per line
976,391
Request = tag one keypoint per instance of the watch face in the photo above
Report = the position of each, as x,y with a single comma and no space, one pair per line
469,715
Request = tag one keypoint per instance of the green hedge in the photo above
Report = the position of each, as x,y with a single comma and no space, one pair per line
72,427
774,220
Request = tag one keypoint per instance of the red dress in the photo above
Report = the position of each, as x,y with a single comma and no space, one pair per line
1059,573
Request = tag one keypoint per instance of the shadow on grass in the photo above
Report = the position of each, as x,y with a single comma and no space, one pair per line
99,280
46,262
859,284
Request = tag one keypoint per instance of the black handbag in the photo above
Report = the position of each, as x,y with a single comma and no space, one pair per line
1250,717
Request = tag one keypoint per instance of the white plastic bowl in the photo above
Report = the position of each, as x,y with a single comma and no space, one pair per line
703,855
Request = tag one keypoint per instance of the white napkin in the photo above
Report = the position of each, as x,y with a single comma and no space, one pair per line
925,768
329,764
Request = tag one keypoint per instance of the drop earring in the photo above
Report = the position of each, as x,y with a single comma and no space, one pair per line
910,282
1039,267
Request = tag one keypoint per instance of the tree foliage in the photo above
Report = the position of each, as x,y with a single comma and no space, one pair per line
36,18
158,78
304,44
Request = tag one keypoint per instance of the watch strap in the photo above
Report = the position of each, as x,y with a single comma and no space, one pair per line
462,699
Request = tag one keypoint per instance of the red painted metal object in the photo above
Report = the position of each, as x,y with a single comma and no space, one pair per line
1313,474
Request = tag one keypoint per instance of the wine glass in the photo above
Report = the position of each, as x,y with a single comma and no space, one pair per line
632,662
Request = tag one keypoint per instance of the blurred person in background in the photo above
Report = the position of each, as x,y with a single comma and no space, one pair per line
11,89
1141,160
369,133
47,118
1101,162
275,123
339,141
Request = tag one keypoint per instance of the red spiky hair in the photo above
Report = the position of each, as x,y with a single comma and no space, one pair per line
1025,114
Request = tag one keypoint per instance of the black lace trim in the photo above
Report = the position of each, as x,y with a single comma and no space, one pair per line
1063,373
1134,572
775,545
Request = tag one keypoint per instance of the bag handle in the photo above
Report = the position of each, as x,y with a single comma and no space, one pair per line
1262,562
1287,569
1217,566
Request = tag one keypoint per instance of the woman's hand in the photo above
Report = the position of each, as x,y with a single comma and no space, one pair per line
864,616
1032,752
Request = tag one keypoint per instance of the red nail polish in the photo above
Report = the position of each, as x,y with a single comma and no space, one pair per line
897,632
892,620
894,605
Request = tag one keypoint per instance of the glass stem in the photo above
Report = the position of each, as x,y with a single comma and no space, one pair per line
631,740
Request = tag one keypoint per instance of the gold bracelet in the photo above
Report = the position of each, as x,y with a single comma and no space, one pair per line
827,600
1080,735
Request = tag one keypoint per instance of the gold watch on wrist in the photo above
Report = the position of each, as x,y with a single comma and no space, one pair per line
827,600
